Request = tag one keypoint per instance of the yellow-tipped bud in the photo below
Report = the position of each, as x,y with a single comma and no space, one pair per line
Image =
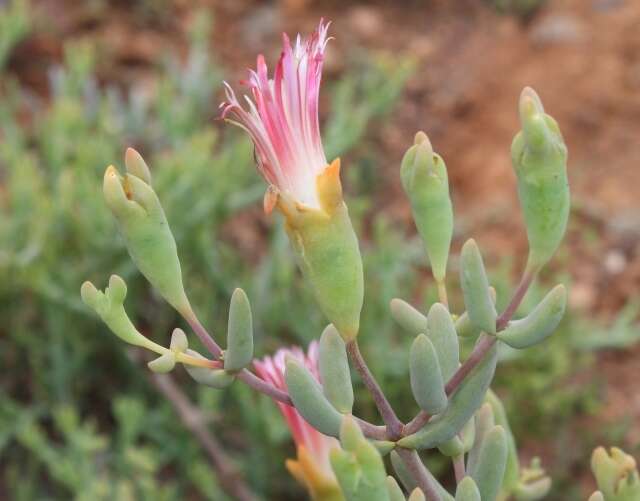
144,227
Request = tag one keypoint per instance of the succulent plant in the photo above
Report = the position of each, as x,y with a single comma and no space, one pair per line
339,456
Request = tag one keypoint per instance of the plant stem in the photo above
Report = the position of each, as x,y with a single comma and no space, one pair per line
458,468
478,353
419,472
264,387
442,293
516,299
394,425
484,345
371,430
191,417
260,385
204,336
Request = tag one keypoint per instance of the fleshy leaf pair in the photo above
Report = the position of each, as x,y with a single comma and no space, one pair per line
434,358
480,303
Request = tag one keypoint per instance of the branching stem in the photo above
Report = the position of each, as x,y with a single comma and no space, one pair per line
261,386
458,468
206,338
442,292
394,425
419,472
264,387
481,349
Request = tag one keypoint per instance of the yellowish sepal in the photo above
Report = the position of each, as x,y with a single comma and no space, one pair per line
305,470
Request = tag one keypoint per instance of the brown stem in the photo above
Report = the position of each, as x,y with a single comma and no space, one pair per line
478,353
264,387
516,299
204,336
191,417
482,348
458,468
394,425
419,472
371,430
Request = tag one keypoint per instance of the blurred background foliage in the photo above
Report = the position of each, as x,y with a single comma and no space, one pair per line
78,418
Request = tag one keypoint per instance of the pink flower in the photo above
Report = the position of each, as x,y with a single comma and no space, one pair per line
312,467
282,118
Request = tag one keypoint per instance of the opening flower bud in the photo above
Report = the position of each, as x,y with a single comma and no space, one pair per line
282,121
311,467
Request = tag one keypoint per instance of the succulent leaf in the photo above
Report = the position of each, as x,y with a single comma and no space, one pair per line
462,405
309,400
334,370
475,287
408,317
442,333
239,352
492,460
427,383
539,324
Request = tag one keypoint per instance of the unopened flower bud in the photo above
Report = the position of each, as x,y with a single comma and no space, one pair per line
424,178
616,474
144,227
539,158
